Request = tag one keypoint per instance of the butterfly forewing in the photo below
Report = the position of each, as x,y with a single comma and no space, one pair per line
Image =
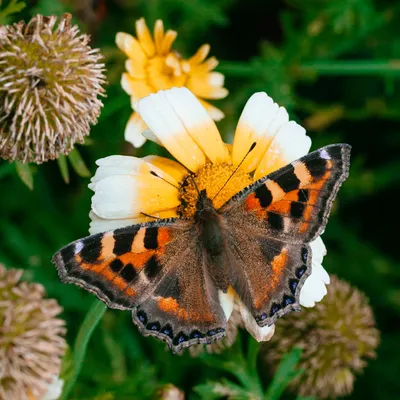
293,203
269,225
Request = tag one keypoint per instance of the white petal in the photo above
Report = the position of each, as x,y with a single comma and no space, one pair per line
257,116
198,123
318,250
134,130
126,165
289,144
166,124
314,288
227,301
98,225
260,334
127,196
54,390
149,135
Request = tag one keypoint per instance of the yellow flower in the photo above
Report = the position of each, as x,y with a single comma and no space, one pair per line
126,190
152,65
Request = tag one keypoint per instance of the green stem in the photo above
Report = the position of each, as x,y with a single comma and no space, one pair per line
352,67
89,324
328,67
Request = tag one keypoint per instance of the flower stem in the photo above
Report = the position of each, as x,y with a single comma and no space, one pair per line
89,324
327,67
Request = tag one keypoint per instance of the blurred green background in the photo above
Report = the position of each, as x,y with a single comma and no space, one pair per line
334,64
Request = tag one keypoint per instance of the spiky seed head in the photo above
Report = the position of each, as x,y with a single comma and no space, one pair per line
50,80
31,338
337,336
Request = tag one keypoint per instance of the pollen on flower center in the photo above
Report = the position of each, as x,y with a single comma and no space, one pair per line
212,178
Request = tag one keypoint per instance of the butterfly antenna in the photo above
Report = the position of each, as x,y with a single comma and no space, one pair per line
195,184
151,216
234,172
158,176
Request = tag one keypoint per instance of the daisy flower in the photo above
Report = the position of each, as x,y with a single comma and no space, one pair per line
125,188
152,65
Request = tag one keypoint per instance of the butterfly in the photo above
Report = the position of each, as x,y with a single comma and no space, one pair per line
169,272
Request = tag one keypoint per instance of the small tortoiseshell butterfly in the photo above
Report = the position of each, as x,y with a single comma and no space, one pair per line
169,271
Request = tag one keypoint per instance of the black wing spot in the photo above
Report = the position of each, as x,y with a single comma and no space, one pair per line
303,195
128,273
293,283
68,254
304,254
116,265
150,238
152,267
276,221
288,181
297,209
263,194
153,326
288,300
91,249
196,335
316,167
167,330
179,338
123,240
300,271
274,309
142,317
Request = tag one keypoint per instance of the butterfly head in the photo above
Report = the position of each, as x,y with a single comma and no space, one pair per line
205,209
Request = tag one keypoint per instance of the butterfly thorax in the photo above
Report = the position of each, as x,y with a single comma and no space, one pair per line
208,222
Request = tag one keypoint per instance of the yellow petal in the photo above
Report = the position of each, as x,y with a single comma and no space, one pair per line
215,113
171,167
205,67
135,87
158,35
207,86
130,46
289,144
163,121
135,68
255,125
198,123
200,54
227,301
169,38
144,37
127,196
134,129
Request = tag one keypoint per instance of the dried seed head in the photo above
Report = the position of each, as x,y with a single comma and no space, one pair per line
31,338
337,336
49,83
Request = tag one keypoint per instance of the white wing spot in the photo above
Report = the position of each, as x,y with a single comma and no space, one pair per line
78,247
324,154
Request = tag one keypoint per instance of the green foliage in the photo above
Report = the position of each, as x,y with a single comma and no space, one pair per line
334,65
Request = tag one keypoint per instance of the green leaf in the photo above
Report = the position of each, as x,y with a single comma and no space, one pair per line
89,324
78,164
13,7
63,165
25,173
285,373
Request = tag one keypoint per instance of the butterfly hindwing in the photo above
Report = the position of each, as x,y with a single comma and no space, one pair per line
267,274
184,308
154,269
293,203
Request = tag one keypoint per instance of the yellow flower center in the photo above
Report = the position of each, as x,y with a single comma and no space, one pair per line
212,177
